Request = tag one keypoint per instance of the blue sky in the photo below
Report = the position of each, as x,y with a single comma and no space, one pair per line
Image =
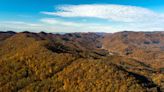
81,15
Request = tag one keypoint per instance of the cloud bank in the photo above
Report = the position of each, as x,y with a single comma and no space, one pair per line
120,13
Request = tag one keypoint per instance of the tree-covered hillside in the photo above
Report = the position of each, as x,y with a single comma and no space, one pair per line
75,62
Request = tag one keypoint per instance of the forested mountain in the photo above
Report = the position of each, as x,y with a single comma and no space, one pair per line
147,47
81,62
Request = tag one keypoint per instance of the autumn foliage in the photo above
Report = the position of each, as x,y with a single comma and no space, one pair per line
45,62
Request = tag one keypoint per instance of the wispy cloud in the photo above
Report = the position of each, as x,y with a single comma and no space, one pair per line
128,17
67,26
58,25
121,13
20,26
121,18
55,25
54,21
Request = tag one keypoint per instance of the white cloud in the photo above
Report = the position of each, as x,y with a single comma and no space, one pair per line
20,26
128,17
68,26
123,17
58,22
54,25
121,13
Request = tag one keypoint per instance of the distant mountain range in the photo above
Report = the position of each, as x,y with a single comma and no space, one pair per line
146,47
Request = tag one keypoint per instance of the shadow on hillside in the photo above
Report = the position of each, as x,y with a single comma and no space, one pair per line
145,81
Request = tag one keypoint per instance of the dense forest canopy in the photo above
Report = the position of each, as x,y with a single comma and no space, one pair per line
81,62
